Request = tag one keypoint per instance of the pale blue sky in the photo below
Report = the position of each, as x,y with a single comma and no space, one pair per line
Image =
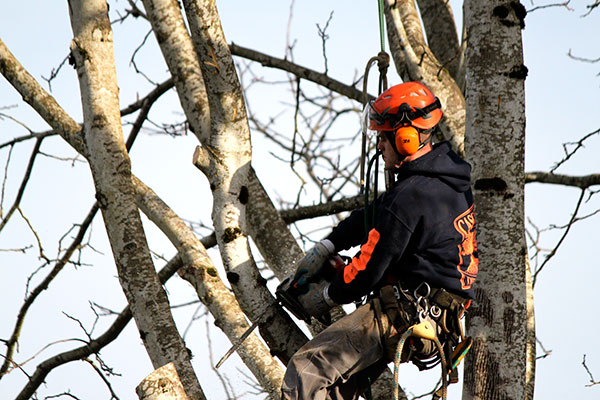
562,105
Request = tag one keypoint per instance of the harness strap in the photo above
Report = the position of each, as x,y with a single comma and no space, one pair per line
391,306
395,300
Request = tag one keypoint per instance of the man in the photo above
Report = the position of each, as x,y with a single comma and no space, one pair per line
419,256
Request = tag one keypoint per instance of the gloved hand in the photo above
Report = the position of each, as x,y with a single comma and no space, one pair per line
313,261
316,301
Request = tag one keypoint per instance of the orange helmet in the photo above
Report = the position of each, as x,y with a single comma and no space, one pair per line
406,104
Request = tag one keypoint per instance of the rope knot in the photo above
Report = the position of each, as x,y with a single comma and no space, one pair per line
383,62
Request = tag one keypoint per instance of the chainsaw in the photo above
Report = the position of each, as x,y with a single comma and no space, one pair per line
287,294
296,285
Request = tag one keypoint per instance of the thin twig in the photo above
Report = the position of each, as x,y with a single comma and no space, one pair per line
132,62
21,192
4,180
592,380
546,352
94,346
553,252
113,395
324,37
564,4
578,145
37,237
43,286
54,72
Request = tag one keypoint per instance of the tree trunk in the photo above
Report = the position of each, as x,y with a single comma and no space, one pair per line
442,36
111,169
228,153
416,62
178,51
498,365
162,384
266,227
200,272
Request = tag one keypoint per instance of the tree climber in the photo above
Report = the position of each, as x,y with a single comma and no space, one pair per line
418,259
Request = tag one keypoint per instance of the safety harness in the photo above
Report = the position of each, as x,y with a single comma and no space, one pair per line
421,311
431,314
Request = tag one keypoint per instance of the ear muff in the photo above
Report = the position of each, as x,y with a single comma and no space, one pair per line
407,140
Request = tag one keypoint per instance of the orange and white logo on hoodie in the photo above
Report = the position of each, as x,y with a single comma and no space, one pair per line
468,265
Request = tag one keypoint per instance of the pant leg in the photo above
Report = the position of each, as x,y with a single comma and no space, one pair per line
320,368
359,383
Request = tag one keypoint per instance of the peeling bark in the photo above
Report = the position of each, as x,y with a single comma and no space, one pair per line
111,169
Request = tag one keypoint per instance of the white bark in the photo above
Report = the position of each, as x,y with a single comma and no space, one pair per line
201,273
40,100
228,153
416,62
266,227
162,384
498,320
177,48
93,53
531,342
442,35
276,327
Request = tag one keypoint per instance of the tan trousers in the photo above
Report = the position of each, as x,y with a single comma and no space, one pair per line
337,363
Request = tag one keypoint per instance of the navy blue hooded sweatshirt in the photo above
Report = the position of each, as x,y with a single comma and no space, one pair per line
424,230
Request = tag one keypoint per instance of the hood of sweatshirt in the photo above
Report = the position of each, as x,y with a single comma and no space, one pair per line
442,163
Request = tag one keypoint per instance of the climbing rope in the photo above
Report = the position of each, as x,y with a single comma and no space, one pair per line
423,329
383,61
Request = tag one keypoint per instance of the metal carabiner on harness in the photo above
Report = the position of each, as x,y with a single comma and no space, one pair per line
421,301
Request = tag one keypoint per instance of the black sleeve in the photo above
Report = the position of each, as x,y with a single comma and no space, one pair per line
384,246
351,231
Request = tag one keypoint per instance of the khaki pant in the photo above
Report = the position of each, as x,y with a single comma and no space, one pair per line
337,363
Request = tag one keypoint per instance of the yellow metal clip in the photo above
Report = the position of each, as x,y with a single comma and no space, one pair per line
424,330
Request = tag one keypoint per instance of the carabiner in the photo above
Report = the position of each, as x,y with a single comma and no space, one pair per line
416,291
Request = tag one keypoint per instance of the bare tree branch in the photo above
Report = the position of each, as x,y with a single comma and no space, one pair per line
565,233
563,4
591,8
582,182
324,37
577,146
94,346
331,207
21,190
98,370
304,73
592,380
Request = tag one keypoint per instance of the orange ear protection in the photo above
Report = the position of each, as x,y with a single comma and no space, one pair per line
407,140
